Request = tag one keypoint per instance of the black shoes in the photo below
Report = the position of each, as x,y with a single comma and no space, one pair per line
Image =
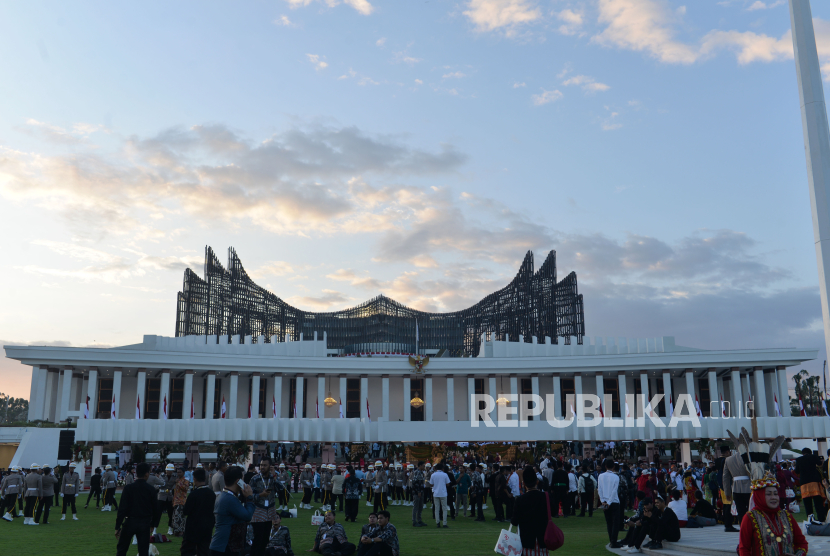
730,529
446,526
616,545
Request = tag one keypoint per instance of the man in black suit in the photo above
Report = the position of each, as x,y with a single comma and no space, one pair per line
136,514
198,508
808,469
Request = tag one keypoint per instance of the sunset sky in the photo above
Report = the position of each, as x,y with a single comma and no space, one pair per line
416,149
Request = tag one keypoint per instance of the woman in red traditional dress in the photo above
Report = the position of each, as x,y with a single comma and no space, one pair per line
767,529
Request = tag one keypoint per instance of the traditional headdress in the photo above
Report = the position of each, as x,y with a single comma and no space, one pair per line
768,480
756,456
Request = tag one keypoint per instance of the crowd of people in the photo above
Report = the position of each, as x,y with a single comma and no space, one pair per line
221,508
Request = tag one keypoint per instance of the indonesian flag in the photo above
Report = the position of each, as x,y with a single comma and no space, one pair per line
138,407
86,411
368,413
573,413
627,411
317,406
223,407
192,412
341,408
295,409
777,409
800,406
274,406
697,407
165,406
601,414
722,407
249,407
671,408
112,413
649,410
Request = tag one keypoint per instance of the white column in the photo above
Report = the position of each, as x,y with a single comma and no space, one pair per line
188,396
623,388
66,393
450,398
714,395
276,397
140,388
210,395
534,389
164,394
645,392
407,395
234,396
300,398
760,393
33,390
667,390
364,395
75,391
48,403
494,415
92,392
344,393
783,391
116,392
97,453
39,377
255,396
471,390
559,411
686,452
321,395
689,375
737,397
428,398
580,415
385,392
816,142
606,410
514,390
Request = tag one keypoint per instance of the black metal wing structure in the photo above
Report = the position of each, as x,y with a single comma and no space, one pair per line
227,302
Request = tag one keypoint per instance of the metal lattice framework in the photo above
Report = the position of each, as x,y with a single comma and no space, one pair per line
228,302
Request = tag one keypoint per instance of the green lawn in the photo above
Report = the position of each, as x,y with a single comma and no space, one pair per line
93,535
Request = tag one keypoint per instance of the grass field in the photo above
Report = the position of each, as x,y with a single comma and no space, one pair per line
93,535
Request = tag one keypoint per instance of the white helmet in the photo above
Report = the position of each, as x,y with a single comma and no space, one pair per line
307,466
282,466
108,467
371,466
34,466
397,466
170,467
73,464
428,465
379,463
199,466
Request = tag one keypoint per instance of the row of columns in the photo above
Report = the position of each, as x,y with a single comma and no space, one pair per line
63,385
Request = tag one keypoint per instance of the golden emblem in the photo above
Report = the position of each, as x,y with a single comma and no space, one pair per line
419,362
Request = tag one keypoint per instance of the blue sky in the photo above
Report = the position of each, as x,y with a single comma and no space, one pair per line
417,149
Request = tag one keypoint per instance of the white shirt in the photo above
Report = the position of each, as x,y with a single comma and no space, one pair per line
571,482
608,484
679,509
439,482
513,484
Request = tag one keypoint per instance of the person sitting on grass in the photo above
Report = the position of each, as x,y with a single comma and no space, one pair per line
703,513
279,543
331,538
385,539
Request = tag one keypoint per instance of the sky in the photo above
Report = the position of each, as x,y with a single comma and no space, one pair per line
415,149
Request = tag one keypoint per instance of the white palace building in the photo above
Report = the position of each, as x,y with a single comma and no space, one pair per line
233,373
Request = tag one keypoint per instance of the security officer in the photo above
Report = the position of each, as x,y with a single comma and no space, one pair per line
306,481
11,488
110,483
49,482
33,491
70,487
369,481
283,478
381,487
165,484
325,483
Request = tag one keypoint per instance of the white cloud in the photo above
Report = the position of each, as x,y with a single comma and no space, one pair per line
419,82
518,85
572,21
758,5
362,6
318,63
502,15
455,74
284,21
749,47
588,84
381,41
403,57
546,96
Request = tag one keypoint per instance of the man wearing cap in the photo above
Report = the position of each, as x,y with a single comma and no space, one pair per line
283,479
369,481
49,482
138,512
325,484
110,482
380,487
11,488
399,482
70,487
307,481
165,484
33,491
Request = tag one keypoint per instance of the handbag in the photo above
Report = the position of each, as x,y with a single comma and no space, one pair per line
509,543
554,537
317,518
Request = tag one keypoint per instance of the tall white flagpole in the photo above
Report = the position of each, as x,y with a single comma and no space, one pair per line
816,142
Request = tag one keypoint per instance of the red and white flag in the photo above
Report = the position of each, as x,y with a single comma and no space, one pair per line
722,407
86,411
627,411
341,408
138,407
295,409
192,412
777,409
671,408
223,407
801,406
317,406
249,407
274,405
368,413
697,407
112,413
601,414
165,406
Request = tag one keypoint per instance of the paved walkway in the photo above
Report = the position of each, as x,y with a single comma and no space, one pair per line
714,541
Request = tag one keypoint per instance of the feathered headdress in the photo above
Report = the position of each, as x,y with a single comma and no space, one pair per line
756,455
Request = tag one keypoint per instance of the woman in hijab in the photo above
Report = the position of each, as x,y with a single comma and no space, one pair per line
767,529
